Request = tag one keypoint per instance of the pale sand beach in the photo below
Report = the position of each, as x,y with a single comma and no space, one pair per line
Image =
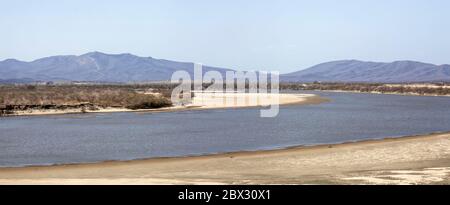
408,160
210,100
202,101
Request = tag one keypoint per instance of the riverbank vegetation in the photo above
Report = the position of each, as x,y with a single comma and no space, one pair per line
85,97
441,89
92,97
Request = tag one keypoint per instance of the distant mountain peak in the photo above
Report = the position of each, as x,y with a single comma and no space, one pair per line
11,60
96,53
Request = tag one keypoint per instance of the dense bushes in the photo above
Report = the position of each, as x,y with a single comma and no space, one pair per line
147,102
57,97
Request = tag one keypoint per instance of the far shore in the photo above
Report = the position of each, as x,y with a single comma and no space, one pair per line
408,160
382,93
214,101
209,101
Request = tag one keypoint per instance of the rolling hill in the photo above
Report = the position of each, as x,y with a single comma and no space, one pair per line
360,71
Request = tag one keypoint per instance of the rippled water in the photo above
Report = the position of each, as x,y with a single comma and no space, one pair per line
42,140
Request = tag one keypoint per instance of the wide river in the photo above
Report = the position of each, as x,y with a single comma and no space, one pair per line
85,138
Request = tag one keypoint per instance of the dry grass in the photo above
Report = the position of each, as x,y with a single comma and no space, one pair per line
22,97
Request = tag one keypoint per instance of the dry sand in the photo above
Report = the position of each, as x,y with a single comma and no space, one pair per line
210,100
408,160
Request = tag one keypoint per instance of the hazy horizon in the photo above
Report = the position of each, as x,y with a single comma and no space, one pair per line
263,35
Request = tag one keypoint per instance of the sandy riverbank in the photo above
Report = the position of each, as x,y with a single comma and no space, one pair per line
408,160
201,101
211,100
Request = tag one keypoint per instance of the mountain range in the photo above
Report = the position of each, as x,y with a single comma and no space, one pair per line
121,68
360,71
95,67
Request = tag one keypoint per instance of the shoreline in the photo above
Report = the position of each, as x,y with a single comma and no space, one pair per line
380,93
290,170
241,152
302,99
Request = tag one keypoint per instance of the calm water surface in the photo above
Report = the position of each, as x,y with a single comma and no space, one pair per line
43,140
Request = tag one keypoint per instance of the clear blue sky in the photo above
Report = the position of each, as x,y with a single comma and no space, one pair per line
239,34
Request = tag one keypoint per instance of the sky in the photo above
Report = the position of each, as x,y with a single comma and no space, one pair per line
273,35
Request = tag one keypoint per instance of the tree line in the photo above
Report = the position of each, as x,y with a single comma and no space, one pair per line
434,89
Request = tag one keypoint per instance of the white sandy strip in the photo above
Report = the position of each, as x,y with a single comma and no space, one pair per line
66,111
229,100
406,177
